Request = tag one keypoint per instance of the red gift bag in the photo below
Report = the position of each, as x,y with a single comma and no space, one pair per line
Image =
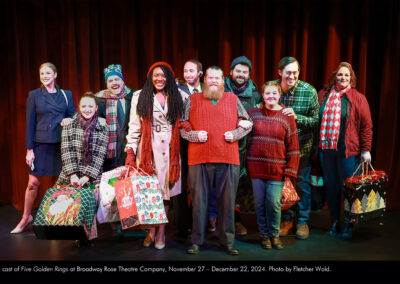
289,195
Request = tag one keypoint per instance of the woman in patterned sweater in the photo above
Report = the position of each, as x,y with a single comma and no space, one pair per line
272,156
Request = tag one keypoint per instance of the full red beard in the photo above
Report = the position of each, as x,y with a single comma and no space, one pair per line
213,94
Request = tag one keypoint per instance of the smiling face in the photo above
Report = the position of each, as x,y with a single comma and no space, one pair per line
289,75
87,107
343,78
240,74
159,79
271,97
47,76
191,74
115,84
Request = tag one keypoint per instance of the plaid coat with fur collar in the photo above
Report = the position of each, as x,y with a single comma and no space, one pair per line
71,151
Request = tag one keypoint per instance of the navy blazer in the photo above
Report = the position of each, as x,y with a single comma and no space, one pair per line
44,115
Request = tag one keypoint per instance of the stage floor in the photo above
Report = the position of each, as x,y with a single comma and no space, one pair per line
373,241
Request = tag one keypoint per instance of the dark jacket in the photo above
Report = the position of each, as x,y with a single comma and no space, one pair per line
249,98
122,129
358,124
44,115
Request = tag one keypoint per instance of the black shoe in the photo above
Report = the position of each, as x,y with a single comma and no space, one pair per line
334,230
193,249
231,250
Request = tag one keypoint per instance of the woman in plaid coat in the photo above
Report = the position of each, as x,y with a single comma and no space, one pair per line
84,144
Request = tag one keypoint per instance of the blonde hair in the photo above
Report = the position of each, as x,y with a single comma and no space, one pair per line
50,65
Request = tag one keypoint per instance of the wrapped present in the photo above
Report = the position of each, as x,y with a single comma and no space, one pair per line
289,195
65,213
108,208
365,195
140,200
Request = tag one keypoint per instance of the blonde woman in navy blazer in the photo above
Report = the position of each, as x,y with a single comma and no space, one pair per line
47,110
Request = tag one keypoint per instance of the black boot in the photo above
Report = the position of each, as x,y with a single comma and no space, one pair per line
348,230
334,230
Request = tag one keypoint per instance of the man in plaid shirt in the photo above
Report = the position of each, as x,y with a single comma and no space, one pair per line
301,102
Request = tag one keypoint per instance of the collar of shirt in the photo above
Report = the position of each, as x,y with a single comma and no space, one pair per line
191,88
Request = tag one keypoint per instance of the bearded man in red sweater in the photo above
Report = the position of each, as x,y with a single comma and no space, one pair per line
213,123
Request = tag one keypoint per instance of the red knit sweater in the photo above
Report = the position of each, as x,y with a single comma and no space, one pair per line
216,120
273,150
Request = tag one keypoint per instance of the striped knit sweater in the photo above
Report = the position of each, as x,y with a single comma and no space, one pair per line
273,150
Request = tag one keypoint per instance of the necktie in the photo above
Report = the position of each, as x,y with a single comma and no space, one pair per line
195,91
120,114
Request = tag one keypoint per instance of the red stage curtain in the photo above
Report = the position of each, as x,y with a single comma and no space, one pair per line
82,37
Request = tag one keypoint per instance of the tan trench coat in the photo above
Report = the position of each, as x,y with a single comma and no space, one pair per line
160,139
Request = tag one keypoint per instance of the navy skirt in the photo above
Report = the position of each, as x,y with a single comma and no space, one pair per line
47,159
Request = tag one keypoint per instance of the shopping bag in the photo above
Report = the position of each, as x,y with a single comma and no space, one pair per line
289,195
140,200
108,209
65,213
365,194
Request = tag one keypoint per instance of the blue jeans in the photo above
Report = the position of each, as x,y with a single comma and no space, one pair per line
267,201
303,188
335,169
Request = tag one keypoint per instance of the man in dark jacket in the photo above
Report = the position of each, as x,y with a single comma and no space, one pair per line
240,84
114,105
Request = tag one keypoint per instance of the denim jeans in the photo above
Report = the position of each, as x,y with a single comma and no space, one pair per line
303,188
335,169
267,201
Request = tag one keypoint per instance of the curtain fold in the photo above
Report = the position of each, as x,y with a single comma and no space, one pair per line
83,37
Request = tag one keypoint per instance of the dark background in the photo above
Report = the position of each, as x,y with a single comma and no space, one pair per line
82,37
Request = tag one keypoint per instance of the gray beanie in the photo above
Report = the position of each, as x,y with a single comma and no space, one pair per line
241,60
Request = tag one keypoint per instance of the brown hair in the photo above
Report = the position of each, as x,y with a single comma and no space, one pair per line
286,61
214,67
198,64
273,84
353,78
87,95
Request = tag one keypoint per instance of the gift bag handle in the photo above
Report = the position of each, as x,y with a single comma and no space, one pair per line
364,170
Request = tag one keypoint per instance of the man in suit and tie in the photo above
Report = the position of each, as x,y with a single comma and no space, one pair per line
192,71
114,105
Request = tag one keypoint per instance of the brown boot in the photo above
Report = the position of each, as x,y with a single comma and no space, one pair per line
286,226
266,243
276,243
240,229
302,231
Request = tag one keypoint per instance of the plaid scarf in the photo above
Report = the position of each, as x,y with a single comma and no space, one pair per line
87,144
111,117
330,123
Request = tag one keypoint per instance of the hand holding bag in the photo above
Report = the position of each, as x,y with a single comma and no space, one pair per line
289,195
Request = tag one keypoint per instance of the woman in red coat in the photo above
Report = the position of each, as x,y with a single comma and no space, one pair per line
345,138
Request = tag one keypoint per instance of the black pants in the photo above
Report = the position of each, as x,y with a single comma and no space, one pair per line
224,178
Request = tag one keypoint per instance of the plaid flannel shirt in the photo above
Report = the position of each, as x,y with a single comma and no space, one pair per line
303,98
71,155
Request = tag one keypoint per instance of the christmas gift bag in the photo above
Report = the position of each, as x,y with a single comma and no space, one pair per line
65,213
108,209
365,194
289,195
139,200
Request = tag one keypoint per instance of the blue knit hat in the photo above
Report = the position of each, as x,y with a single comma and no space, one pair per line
113,70
241,60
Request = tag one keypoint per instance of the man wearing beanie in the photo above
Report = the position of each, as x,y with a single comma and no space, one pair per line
114,105
245,89
214,156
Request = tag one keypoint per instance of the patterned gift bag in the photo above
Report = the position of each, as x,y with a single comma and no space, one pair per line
139,200
289,195
65,213
108,209
365,195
